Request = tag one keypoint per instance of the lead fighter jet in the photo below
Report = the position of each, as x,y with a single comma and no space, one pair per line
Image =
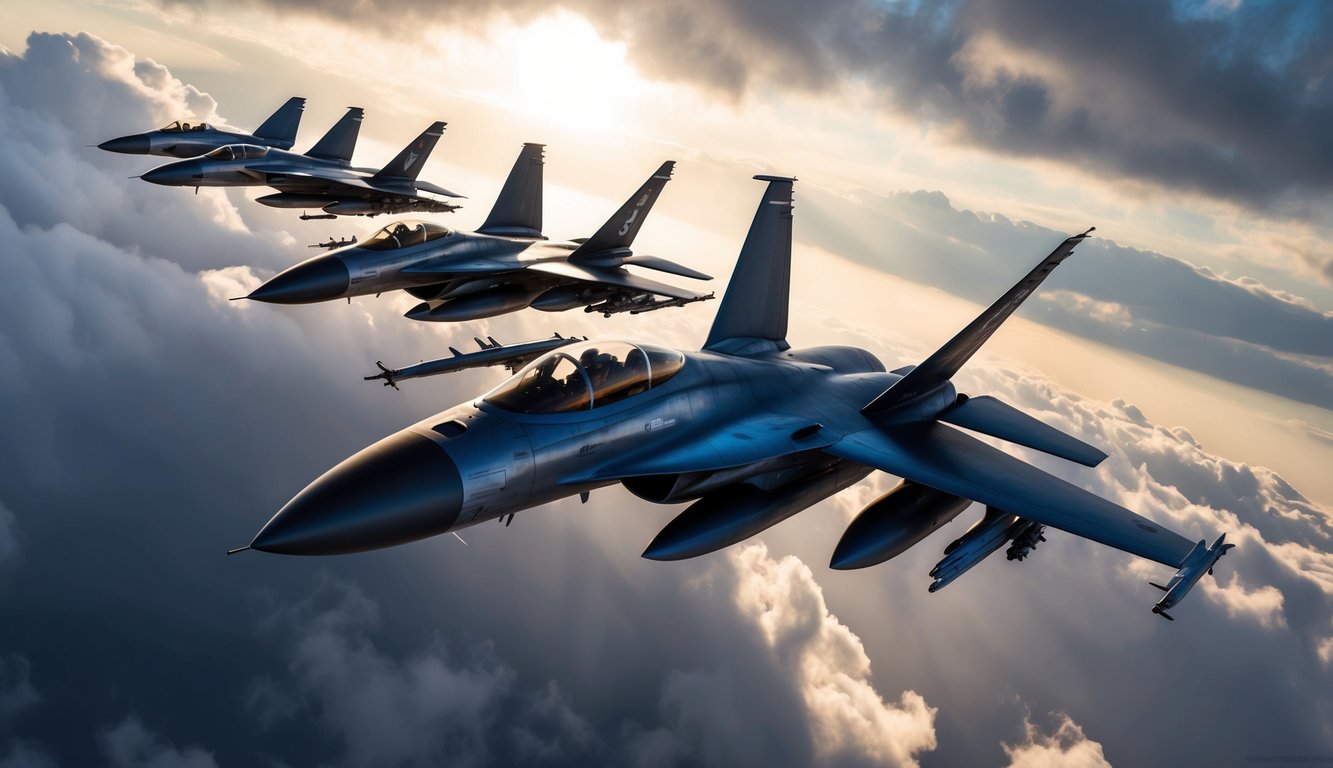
504,266
748,430
323,177
191,140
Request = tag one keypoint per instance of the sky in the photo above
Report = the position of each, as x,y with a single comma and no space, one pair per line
942,149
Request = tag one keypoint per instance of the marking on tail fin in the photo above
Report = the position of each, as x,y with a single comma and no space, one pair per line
945,362
612,241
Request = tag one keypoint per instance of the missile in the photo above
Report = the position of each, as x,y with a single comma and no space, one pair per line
1026,537
894,523
982,539
1199,561
737,512
489,303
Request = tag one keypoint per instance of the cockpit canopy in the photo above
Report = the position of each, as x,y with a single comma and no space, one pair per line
179,127
238,152
583,376
404,233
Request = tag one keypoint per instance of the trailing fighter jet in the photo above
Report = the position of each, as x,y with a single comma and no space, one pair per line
750,431
191,140
504,266
322,178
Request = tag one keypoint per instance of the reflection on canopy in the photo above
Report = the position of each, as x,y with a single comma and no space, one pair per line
585,376
404,233
238,152
179,127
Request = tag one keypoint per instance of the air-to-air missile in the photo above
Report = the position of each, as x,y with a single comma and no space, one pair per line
747,430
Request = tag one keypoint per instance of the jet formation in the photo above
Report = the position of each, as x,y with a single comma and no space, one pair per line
746,430
323,177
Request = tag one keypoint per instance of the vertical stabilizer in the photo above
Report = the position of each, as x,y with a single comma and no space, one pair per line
407,164
754,307
280,127
518,209
338,144
618,232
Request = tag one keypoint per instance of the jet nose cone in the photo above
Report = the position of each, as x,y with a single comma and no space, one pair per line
127,145
185,174
319,279
403,488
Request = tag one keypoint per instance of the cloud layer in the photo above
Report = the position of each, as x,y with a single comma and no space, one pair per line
1231,103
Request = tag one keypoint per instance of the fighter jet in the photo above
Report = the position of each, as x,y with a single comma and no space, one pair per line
191,140
504,266
750,431
321,178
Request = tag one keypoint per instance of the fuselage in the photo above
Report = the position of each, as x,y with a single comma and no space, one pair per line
488,460
252,165
184,141
458,275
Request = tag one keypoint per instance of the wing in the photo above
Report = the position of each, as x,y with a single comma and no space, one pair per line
948,460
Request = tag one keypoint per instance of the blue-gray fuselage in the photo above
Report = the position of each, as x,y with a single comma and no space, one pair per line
185,140
488,461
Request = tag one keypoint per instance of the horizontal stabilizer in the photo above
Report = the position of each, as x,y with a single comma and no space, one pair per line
281,126
619,231
666,265
992,417
518,210
937,369
951,461
407,164
339,143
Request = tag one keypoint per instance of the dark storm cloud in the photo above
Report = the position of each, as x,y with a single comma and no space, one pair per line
1231,105
1147,302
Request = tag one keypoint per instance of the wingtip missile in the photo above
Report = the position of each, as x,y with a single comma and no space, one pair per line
1199,561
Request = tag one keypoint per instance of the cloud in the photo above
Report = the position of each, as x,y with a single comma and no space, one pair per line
16,691
1233,106
24,755
1066,747
848,719
1150,303
130,745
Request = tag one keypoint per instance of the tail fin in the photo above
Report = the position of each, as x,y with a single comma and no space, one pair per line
280,127
755,305
618,232
407,164
518,209
941,366
338,143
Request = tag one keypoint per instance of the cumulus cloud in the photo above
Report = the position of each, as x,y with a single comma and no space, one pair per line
130,745
23,755
1066,747
1228,105
848,719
